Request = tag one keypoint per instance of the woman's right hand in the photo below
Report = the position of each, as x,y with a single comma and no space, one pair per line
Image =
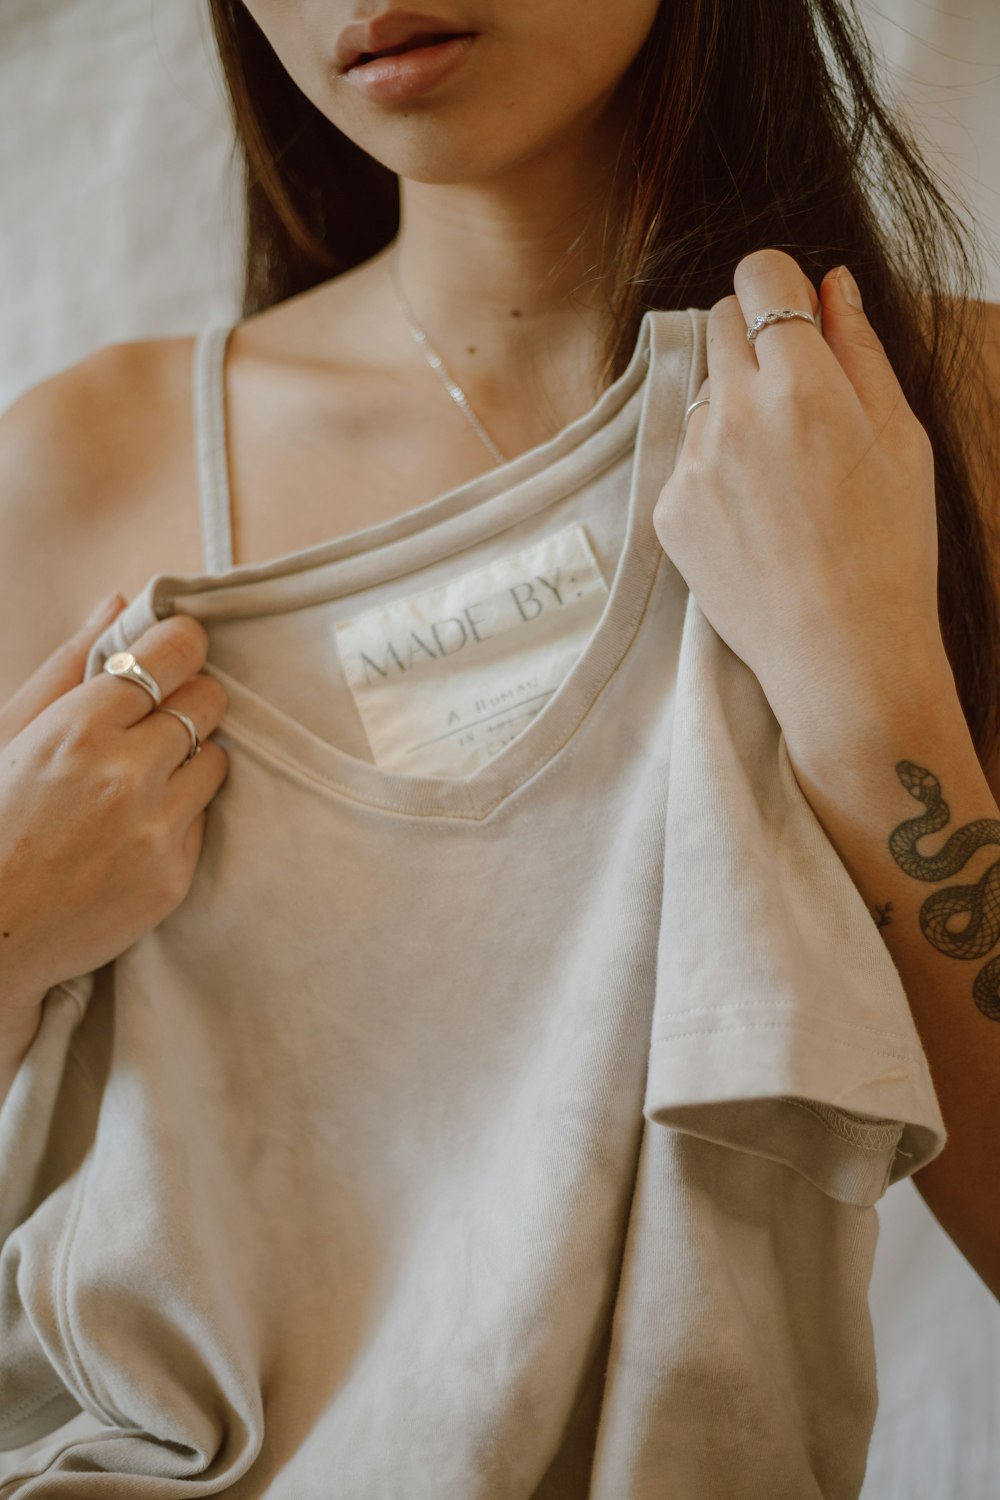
101,823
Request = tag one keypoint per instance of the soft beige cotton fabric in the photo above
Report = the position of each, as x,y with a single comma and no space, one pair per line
512,1135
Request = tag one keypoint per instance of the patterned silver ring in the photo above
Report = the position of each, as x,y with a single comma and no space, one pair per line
702,401
124,664
192,731
775,315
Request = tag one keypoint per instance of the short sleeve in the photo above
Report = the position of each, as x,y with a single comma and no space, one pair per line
780,1022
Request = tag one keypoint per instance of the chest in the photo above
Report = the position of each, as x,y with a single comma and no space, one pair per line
317,448
305,463
323,462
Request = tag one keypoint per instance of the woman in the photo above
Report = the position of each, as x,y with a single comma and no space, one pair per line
360,1182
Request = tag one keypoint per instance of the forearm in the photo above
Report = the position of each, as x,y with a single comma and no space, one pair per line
847,772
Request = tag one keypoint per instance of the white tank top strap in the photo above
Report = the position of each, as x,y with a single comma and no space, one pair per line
209,392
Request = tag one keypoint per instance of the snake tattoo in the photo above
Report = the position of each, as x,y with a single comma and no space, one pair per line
980,901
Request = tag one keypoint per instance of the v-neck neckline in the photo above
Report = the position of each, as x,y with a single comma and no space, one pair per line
641,411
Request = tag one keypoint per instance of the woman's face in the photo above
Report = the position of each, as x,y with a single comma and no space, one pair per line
539,75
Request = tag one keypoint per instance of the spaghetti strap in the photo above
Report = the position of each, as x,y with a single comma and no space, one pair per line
209,393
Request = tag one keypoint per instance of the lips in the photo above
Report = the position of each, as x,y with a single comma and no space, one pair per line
430,40
395,31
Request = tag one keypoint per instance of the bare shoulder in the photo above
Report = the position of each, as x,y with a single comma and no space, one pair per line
979,417
97,492
978,420
981,321
991,337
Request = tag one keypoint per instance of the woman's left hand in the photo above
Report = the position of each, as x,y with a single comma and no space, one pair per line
801,510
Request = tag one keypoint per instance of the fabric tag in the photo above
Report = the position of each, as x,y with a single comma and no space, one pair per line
445,678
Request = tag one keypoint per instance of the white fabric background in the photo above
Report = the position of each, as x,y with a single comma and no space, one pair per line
121,219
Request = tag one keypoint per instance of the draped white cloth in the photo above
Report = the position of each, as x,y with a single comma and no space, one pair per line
121,220
120,216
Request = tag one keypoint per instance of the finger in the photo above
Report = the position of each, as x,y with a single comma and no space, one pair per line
191,787
860,354
771,279
164,739
60,671
731,361
171,651
696,419
194,837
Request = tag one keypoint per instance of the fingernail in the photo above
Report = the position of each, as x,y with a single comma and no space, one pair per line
849,287
103,611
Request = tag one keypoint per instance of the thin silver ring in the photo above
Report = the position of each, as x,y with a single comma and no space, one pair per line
775,315
124,664
192,731
702,401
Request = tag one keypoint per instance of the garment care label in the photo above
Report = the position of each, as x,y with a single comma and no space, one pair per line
445,678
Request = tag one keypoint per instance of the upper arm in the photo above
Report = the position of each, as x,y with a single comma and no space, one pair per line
67,449
979,422
979,412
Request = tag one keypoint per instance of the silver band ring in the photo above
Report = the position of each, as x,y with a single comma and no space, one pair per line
775,315
192,732
702,401
124,664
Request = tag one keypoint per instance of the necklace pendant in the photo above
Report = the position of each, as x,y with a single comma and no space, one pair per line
437,363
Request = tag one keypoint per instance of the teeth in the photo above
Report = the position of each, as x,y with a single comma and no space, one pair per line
419,41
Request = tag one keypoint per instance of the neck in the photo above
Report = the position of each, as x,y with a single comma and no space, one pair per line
506,280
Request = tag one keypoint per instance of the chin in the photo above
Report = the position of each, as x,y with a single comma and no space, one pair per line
423,148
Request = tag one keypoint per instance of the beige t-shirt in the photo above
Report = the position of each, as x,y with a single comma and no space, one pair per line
500,1116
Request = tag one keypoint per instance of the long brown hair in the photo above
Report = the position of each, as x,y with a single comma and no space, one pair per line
751,125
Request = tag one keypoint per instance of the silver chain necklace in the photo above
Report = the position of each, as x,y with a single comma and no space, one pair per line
437,363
